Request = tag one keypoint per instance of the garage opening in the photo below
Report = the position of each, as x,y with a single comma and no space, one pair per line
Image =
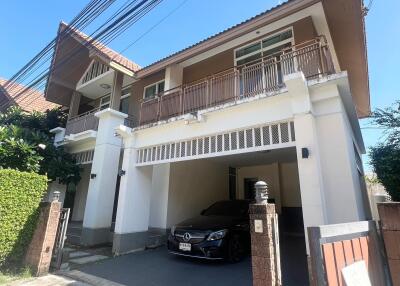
196,185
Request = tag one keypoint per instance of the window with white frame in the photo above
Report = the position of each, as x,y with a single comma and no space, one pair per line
153,89
255,51
124,104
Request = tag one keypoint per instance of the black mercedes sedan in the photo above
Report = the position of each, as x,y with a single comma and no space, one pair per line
222,231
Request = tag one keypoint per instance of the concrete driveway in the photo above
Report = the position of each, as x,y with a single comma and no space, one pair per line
158,268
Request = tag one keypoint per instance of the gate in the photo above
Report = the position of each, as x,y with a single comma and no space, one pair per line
60,238
333,247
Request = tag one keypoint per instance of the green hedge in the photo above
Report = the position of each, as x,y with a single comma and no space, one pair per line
20,196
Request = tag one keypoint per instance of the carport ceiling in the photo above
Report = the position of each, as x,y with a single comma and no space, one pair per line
258,158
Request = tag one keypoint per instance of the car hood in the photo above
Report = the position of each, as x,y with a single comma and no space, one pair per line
208,223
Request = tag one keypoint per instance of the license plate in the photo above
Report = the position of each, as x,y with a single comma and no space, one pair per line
185,246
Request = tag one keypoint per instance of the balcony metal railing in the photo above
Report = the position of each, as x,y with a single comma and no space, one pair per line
311,57
82,122
88,121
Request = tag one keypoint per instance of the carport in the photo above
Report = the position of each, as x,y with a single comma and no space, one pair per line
181,190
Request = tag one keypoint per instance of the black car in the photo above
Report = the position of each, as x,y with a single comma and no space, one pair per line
222,231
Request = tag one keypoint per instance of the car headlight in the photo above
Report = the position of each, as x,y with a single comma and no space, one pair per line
173,230
217,235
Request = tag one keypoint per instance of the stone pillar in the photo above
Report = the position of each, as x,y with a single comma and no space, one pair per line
40,250
264,240
116,90
389,214
103,179
74,104
132,222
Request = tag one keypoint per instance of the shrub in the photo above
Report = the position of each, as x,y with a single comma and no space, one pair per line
20,196
385,160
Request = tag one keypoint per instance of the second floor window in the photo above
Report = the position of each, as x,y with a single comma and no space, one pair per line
272,45
124,104
153,89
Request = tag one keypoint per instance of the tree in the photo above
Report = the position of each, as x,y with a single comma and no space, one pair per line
26,144
385,156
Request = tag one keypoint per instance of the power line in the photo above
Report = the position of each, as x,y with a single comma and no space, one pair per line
154,26
125,17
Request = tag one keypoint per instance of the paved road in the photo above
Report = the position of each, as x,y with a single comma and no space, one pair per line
158,268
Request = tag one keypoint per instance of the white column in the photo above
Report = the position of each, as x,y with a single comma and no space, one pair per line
173,76
103,178
133,211
329,180
159,196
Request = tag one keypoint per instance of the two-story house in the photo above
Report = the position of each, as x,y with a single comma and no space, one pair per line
275,98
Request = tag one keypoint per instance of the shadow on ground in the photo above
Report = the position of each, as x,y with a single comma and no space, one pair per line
157,267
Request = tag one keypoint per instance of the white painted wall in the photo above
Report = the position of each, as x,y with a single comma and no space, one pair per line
195,185
266,173
290,186
81,193
101,191
282,179
159,196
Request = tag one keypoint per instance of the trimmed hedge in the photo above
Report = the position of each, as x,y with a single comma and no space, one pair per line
20,196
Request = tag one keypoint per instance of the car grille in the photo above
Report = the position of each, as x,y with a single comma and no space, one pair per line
196,236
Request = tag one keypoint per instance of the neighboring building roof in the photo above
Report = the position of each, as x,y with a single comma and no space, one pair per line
34,102
101,49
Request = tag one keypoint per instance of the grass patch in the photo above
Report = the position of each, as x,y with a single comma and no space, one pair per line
9,276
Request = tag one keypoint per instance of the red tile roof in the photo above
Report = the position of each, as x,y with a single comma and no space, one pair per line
102,49
32,100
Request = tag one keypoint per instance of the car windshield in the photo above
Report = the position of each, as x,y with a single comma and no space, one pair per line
227,208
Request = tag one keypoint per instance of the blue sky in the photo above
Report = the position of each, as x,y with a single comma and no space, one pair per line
27,26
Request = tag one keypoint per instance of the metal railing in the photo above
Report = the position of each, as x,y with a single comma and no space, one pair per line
82,122
88,121
254,78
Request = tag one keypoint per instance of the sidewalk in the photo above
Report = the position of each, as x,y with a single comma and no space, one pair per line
48,280
70,278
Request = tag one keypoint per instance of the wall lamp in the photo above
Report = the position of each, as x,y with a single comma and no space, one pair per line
305,153
92,176
121,173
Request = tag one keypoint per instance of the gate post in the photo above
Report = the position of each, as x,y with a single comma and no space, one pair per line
264,239
40,249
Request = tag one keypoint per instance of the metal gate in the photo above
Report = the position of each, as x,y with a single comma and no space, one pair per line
335,246
60,238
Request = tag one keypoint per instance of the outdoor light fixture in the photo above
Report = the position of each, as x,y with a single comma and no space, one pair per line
42,146
92,176
305,153
105,86
121,173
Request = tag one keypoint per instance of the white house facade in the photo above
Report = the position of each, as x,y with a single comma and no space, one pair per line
276,98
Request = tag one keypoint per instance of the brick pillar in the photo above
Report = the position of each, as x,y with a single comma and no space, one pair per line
40,249
389,214
264,240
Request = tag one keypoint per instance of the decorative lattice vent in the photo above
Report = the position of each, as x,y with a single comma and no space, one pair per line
85,157
237,141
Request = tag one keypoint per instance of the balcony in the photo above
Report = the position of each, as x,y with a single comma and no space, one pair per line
255,78
82,122
88,121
